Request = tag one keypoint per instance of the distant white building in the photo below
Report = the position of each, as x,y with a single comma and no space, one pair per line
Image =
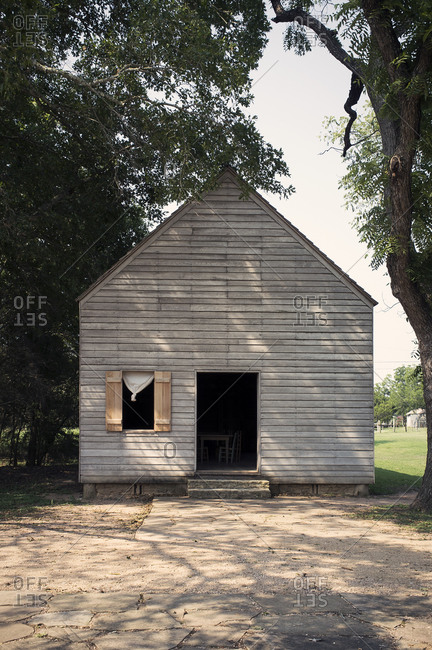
416,419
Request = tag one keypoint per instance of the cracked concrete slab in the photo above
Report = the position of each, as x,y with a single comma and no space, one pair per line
96,602
260,641
293,601
42,643
12,613
14,631
209,620
315,625
195,611
141,619
71,634
8,597
160,640
207,601
396,609
203,618
62,618
215,636
415,631
23,598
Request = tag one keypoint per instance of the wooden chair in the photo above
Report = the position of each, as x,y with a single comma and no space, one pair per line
204,454
234,449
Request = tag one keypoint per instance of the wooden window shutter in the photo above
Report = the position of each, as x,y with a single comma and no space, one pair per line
114,401
162,401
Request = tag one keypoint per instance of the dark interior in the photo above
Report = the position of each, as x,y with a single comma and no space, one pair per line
139,414
227,402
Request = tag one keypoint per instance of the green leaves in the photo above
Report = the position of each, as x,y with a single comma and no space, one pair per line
296,38
365,185
399,394
131,73
110,110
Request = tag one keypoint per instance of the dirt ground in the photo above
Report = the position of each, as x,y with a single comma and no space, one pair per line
248,546
295,553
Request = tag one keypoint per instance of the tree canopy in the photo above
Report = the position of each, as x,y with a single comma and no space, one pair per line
399,394
109,111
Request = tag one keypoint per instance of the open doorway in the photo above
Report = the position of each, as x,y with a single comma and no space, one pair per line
227,421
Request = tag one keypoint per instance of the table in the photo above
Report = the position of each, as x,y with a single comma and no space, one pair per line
216,437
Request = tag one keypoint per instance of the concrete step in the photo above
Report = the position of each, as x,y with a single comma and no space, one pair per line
228,489
228,494
228,482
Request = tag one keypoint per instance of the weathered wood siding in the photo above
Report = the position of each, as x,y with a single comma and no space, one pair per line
225,287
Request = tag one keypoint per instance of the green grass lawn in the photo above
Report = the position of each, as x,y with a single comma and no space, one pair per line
402,515
400,459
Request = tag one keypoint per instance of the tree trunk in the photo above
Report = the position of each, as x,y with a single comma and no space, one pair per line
12,439
16,444
32,443
399,134
399,264
424,497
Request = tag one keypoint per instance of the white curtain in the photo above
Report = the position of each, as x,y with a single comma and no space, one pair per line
137,381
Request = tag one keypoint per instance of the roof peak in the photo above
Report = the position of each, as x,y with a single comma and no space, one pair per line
228,170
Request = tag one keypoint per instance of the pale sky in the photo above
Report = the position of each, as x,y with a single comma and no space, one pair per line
293,95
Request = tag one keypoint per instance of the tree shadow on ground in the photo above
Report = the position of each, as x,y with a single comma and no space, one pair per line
388,481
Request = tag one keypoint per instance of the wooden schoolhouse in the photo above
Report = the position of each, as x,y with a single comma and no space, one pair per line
226,343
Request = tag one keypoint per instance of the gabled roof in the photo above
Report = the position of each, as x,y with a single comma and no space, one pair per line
231,174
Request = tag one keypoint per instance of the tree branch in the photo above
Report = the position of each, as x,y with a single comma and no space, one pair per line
76,79
327,36
92,86
127,68
424,57
330,40
382,31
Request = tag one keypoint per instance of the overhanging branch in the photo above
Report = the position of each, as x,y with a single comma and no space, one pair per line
328,37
